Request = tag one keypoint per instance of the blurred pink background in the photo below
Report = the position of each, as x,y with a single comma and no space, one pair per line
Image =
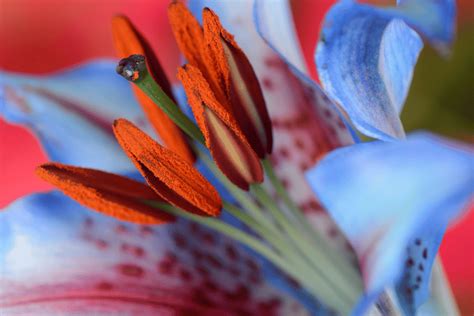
39,36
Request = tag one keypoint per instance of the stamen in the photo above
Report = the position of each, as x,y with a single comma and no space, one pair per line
188,33
190,38
128,41
228,145
241,85
108,193
175,180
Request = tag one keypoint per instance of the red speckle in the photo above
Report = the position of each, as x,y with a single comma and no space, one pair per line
101,244
213,261
139,252
327,113
252,265
332,232
180,241
202,271
314,205
284,153
208,239
124,247
194,228
273,62
231,252
410,262
304,166
300,143
197,255
255,279
121,229
104,286
267,83
165,267
146,230
131,270
185,275
304,207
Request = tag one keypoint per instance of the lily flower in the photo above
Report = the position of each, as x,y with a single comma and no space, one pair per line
126,267
288,265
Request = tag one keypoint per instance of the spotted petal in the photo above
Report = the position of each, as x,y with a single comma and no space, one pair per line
275,25
393,201
366,56
58,257
71,112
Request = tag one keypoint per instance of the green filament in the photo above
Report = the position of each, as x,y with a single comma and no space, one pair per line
292,267
148,85
351,274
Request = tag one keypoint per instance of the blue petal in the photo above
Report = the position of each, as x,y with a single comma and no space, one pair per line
363,68
366,56
71,112
56,256
393,201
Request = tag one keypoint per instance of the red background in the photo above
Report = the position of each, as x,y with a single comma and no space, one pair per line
39,36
